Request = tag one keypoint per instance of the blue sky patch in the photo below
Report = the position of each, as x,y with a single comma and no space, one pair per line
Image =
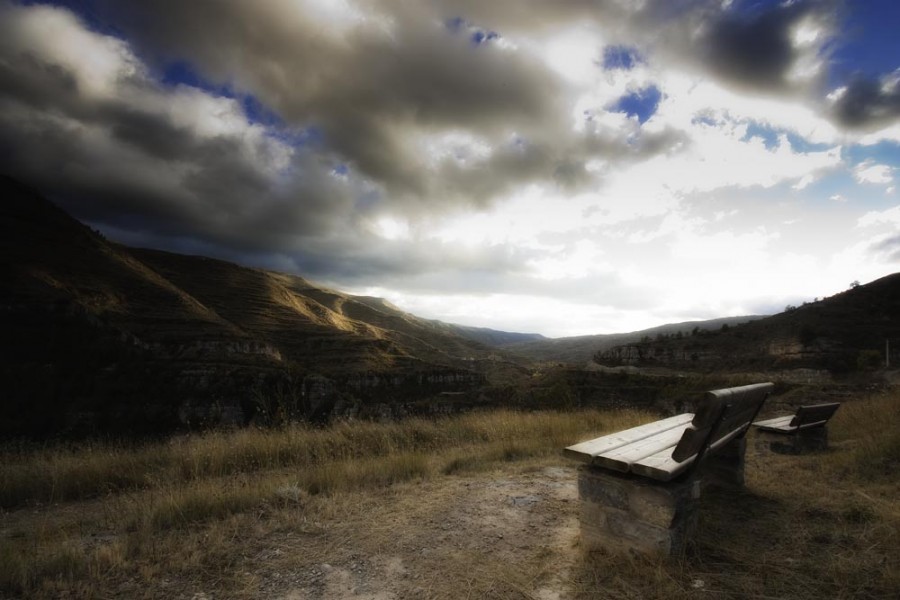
620,57
871,44
768,134
477,35
641,104
182,73
309,137
771,135
257,112
887,153
482,37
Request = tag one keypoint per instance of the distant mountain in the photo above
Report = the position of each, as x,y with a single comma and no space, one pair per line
496,338
850,331
98,332
581,349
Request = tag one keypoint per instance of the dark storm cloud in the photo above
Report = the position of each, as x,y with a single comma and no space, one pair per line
757,50
122,159
444,268
869,104
124,153
118,151
752,48
371,90
374,94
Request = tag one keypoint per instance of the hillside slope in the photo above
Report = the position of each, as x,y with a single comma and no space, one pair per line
845,332
98,328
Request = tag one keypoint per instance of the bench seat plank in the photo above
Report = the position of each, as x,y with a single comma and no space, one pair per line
586,451
620,459
777,424
661,466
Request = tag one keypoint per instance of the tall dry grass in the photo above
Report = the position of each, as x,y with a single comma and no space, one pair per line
143,496
97,469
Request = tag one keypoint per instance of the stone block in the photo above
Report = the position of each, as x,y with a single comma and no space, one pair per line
625,513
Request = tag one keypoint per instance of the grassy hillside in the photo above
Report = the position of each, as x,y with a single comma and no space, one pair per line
52,260
843,333
98,335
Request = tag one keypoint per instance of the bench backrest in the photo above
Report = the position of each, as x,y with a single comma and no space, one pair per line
814,414
722,416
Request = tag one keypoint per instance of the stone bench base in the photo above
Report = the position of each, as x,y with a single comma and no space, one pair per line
622,513
626,513
803,441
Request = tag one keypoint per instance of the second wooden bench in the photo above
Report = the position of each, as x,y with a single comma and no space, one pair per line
802,432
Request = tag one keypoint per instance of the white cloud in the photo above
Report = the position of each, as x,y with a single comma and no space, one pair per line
870,172
689,96
890,216
54,35
719,156
516,312
572,52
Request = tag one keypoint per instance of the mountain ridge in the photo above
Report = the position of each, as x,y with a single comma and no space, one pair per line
581,349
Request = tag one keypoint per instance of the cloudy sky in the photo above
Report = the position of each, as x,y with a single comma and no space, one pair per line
564,167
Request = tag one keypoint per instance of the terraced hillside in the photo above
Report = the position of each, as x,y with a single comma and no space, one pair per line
96,326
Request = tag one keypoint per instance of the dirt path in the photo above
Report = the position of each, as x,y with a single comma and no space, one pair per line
509,534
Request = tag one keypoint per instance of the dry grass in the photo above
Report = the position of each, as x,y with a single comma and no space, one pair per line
105,510
97,469
211,512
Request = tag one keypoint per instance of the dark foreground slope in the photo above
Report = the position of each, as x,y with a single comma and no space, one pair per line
98,336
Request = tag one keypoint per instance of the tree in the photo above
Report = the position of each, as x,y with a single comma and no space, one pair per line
854,284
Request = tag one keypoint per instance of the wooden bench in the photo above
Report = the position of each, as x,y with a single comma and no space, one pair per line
802,432
638,487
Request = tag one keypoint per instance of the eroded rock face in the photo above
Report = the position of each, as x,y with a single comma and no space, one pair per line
66,371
